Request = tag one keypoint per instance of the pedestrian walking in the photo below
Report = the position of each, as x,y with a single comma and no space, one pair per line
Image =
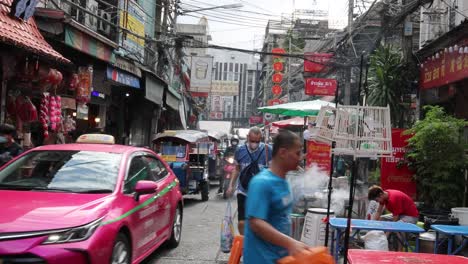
8,147
253,154
269,205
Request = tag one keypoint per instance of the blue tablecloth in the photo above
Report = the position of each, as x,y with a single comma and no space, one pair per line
339,226
451,231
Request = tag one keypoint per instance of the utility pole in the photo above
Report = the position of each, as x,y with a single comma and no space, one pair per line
348,71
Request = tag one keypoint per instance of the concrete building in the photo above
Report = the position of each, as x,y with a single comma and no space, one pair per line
198,36
230,66
440,17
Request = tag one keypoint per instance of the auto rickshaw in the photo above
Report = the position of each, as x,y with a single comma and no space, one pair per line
215,163
187,153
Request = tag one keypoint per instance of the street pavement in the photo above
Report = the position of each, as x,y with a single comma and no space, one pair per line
200,233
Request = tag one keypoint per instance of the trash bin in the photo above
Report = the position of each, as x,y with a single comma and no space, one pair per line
313,232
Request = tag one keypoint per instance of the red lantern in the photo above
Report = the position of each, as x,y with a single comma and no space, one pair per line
278,51
278,66
276,90
277,78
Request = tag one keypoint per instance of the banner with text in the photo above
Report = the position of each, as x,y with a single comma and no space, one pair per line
316,62
200,78
319,86
394,174
318,153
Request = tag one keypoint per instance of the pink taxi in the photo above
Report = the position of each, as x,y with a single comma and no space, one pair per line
87,202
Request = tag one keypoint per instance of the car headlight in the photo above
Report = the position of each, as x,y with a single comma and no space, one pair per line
73,234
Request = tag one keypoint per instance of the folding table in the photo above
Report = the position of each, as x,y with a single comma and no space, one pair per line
451,231
339,227
359,256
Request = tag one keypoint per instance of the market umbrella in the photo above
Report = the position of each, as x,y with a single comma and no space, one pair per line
303,108
292,122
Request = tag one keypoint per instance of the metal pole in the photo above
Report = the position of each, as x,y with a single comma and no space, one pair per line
330,180
360,80
352,185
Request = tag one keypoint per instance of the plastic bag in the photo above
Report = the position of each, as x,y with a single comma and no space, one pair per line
372,210
376,240
227,230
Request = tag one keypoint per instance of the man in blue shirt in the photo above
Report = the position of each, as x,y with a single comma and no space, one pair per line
258,151
269,205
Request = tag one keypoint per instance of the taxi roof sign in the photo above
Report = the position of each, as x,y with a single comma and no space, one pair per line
96,139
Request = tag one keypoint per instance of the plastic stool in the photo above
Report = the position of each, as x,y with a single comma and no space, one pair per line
236,250
317,255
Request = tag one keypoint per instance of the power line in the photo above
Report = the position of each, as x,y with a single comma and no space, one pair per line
237,10
230,14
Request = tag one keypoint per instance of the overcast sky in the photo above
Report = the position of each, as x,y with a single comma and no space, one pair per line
246,29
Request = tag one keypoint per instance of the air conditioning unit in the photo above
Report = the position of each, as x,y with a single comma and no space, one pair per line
90,20
104,27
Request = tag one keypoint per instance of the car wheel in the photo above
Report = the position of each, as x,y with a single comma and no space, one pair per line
205,190
176,234
121,253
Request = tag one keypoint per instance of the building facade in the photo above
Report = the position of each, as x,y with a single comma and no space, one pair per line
238,70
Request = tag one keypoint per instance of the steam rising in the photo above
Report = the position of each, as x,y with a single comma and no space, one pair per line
310,189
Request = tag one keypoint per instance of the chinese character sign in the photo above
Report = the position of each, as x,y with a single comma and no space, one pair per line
395,174
447,66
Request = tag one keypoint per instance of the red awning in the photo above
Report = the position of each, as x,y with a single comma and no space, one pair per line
296,121
25,34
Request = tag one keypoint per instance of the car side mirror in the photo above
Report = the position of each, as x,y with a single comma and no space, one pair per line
144,187
171,165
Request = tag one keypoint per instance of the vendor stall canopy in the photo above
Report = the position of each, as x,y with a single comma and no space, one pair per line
303,108
25,34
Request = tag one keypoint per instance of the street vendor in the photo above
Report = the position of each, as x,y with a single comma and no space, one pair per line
398,203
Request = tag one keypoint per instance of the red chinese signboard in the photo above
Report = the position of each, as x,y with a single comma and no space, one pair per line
444,68
318,86
274,102
318,153
316,62
277,78
276,90
393,174
253,120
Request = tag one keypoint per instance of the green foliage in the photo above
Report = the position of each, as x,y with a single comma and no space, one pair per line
436,153
389,79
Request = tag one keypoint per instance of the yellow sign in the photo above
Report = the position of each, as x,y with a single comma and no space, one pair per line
169,158
133,25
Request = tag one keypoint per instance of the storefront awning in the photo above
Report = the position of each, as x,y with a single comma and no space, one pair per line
25,35
173,98
154,88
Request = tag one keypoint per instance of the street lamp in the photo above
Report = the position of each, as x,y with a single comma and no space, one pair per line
238,5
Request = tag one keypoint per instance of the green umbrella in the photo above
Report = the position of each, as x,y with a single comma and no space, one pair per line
303,108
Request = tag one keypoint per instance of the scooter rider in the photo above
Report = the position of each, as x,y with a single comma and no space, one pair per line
230,151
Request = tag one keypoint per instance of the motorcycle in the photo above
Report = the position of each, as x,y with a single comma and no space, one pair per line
229,169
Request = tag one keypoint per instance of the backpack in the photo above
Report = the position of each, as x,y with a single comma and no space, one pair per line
250,170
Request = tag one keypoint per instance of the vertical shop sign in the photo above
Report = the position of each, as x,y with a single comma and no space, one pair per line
318,154
394,173
132,19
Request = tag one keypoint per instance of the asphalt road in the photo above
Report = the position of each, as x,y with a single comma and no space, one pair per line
200,233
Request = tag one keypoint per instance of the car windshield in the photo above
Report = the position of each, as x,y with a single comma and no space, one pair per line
64,171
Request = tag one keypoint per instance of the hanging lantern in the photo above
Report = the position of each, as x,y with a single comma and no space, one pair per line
276,90
450,49
277,78
278,66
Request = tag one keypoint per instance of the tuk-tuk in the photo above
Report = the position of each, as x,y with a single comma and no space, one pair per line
187,153
215,164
